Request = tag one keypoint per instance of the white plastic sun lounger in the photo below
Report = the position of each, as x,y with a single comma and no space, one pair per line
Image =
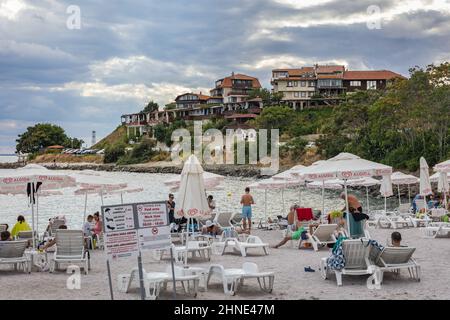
252,242
13,253
436,230
233,278
322,236
223,219
356,253
155,281
193,249
70,249
394,259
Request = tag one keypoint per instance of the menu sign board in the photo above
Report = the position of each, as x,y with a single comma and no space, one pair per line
130,228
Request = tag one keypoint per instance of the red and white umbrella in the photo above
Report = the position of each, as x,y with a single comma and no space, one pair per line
210,181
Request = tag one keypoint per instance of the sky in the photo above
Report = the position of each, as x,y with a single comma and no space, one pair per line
126,53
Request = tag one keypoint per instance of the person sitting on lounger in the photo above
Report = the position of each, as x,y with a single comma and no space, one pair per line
396,239
211,228
21,225
53,242
300,232
5,236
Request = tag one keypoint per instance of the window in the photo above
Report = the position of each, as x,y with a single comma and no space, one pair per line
371,85
312,84
290,84
355,83
310,93
303,83
303,94
295,83
296,94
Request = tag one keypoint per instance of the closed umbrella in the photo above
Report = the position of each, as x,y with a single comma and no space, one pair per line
425,185
191,199
443,186
386,190
210,181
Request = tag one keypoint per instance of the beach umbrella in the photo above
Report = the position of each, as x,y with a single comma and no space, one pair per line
31,180
345,166
386,189
425,185
435,177
443,186
443,166
191,200
273,184
399,178
210,181
334,184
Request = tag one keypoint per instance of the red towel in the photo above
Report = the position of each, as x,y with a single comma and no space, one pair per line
304,214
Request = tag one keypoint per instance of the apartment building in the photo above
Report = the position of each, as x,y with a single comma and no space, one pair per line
325,84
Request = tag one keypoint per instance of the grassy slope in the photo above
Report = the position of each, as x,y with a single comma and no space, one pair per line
119,134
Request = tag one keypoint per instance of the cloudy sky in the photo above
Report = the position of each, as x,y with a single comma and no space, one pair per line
128,52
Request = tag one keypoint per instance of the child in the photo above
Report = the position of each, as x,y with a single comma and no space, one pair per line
88,225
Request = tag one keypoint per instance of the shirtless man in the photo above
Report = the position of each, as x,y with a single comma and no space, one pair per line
353,202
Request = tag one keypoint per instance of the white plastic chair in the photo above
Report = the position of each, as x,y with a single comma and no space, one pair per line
70,249
322,236
13,253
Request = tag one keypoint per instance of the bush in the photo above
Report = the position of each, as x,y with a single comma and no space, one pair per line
141,152
114,152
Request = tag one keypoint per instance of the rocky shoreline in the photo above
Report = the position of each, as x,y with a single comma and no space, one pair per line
225,170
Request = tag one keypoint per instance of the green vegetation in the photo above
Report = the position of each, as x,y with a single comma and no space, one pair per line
114,152
141,152
150,107
43,135
119,135
411,118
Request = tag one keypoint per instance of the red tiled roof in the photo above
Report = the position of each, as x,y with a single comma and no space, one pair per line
227,81
295,72
371,75
242,116
199,96
330,69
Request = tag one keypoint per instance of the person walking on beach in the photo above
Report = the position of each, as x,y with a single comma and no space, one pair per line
247,201
171,207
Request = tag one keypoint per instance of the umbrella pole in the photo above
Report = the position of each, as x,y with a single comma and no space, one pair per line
121,198
101,196
399,200
37,213
265,205
409,193
346,207
323,197
282,199
85,207
32,223
367,196
299,194
385,205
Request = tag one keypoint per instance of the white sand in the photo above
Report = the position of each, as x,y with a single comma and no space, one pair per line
291,282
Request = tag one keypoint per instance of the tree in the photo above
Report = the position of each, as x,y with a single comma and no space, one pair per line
43,135
150,107
275,118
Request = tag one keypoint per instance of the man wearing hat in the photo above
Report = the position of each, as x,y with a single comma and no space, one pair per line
211,228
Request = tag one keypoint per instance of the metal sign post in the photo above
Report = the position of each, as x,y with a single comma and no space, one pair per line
141,276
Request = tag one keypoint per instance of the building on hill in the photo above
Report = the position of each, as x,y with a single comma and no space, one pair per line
325,84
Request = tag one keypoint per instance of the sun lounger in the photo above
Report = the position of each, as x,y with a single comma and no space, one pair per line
13,253
54,225
252,242
22,235
193,248
155,281
356,253
436,230
223,219
70,249
3,227
394,259
322,236
233,278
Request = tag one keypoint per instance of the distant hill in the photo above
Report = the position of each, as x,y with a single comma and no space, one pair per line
119,134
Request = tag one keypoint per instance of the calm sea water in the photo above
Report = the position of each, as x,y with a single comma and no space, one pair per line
7,158
227,199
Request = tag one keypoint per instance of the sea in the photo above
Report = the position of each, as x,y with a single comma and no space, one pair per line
8,158
227,198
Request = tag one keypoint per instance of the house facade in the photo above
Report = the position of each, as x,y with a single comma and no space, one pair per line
325,84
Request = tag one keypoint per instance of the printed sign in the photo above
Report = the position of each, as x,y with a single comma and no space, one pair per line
118,218
152,215
121,244
130,228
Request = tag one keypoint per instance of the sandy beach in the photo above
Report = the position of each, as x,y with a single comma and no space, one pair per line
291,281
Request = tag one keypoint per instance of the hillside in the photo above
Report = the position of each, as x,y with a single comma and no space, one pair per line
118,135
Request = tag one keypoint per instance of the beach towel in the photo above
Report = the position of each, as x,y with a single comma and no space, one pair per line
304,214
337,259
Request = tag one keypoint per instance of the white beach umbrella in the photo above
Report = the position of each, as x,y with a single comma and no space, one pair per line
399,178
346,166
191,200
443,186
334,184
443,166
210,181
435,177
386,189
425,185
15,182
